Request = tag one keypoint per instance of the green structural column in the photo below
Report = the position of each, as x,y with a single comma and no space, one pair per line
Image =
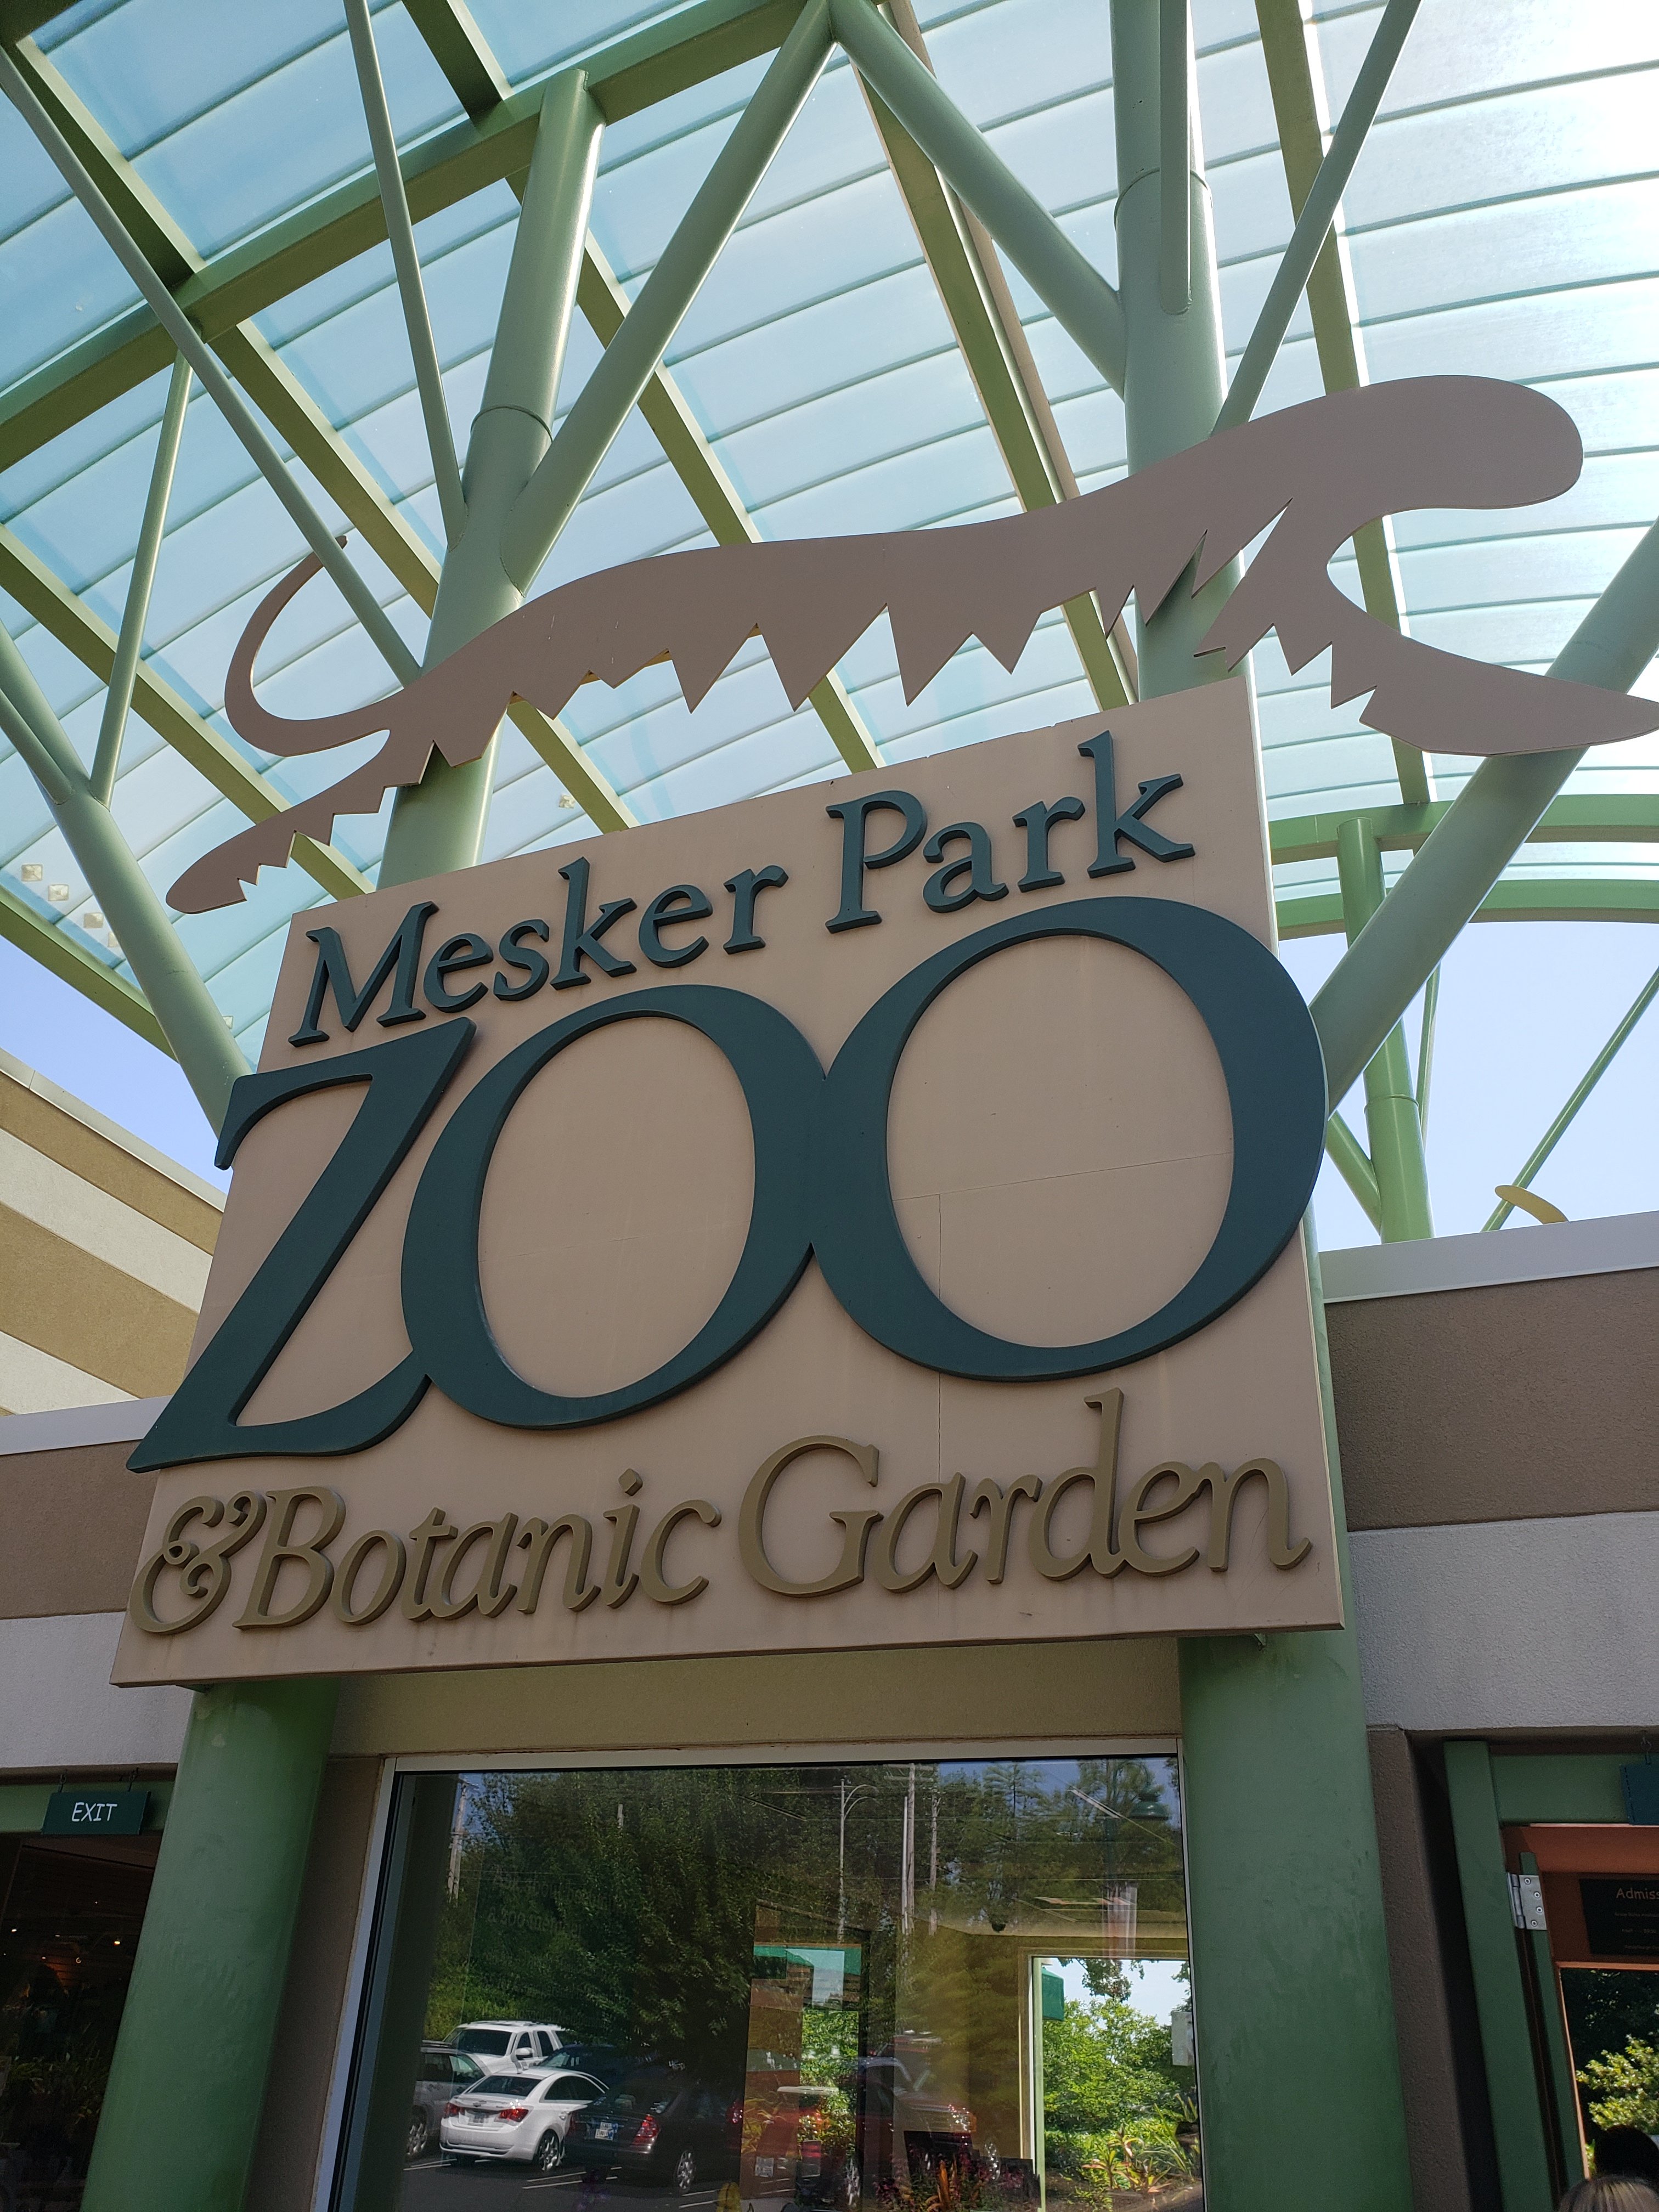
1296,2060
181,2112
438,824
213,1958
1392,1120
1517,2117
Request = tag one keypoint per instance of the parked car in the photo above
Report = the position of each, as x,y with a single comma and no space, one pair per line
658,2123
442,2074
508,2046
517,2116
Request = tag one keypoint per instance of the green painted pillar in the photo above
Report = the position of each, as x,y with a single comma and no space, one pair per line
1392,1120
181,2112
212,1958
1298,2069
1517,2116
1298,2072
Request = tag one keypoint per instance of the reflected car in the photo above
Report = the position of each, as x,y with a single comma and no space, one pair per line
508,2046
524,2116
805,2140
602,2060
441,2075
659,2125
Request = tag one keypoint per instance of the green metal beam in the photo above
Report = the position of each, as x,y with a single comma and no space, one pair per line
21,86
346,478
1174,131
1317,212
89,638
1352,1162
1077,294
461,51
1426,1048
669,417
1613,818
1558,1127
1494,814
406,261
175,992
963,277
53,945
438,823
130,641
1553,898
1391,1116
1297,112
618,381
685,50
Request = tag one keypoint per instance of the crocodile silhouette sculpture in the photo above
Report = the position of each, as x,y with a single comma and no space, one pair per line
1310,476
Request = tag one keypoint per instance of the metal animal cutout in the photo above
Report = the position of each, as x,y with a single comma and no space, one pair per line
1315,473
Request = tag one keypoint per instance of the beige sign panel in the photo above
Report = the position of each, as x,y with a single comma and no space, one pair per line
1060,1147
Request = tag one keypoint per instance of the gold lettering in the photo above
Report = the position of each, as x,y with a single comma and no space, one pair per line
436,1528
652,1578
536,1539
203,1570
1224,1496
487,1594
1102,1478
1138,1515
620,1581
312,1555
391,1575
942,1560
1002,1504
855,1527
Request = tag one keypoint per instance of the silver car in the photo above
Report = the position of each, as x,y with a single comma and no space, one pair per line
516,2116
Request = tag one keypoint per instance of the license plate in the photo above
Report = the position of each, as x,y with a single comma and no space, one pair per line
606,2132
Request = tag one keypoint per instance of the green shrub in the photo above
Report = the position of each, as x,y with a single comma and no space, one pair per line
1622,2087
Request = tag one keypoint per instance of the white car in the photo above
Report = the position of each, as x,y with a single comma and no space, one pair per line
508,2046
516,2116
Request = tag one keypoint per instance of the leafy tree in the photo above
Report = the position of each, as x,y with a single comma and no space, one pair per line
1106,2066
1622,2087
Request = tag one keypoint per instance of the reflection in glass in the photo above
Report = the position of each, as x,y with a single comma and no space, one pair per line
924,1985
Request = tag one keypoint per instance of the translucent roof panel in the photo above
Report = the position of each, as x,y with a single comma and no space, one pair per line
1500,222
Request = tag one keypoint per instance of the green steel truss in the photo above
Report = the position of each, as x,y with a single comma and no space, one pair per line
963,206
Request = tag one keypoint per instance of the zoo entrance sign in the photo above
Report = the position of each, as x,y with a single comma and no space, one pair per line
865,1215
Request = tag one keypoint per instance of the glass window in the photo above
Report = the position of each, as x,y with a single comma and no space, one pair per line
961,1981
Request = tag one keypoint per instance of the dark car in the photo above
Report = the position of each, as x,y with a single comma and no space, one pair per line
442,2074
601,2059
658,2123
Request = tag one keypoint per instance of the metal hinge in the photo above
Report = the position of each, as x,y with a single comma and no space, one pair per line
1526,1901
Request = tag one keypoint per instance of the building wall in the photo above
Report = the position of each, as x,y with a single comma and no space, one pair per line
104,1250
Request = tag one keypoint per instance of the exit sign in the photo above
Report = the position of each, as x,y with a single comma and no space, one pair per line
95,1812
